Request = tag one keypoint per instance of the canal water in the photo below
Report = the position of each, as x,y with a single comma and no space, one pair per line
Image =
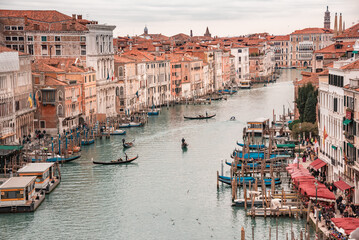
166,193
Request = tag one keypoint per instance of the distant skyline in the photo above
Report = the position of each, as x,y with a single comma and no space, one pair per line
223,18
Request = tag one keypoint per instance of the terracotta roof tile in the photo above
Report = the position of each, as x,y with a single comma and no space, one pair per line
351,66
312,30
352,32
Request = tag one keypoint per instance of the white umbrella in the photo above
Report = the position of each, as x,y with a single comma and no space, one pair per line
354,235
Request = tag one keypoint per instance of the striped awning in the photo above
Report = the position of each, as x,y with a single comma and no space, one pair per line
342,185
318,164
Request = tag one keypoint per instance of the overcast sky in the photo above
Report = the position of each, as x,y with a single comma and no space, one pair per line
223,17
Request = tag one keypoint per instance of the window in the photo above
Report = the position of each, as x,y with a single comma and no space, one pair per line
44,50
60,110
83,49
120,71
42,124
30,49
8,38
15,47
21,38
21,48
58,50
20,28
13,28
14,38
7,28
335,105
85,79
30,38
57,38
8,46
43,38
83,39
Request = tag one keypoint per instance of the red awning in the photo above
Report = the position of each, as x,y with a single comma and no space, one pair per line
347,224
342,185
318,164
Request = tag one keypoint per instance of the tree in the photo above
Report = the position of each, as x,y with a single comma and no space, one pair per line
301,101
305,127
310,109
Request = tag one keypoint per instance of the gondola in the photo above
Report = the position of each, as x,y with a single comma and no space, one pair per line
200,117
87,142
119,161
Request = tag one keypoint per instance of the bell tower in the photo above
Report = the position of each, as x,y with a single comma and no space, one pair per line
327,19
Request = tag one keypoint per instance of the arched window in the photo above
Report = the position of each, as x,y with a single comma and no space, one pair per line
117,91
60,95
120,71
38,95
121,91
60,110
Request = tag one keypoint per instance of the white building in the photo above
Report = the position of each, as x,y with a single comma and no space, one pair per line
16,98
241,62
100,56
332,116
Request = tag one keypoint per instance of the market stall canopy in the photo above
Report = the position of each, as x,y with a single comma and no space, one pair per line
348,225
317,164
342,185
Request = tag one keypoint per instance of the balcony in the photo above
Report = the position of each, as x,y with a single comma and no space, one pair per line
349,137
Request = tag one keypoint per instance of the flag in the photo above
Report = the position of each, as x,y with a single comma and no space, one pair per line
34,99
112,75
30,100
108,76
345,156
325,134
137,94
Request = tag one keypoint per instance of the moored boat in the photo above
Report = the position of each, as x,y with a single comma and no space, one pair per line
245,84
253,146
118,132
87,142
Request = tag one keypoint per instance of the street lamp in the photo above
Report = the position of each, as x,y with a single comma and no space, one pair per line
316,192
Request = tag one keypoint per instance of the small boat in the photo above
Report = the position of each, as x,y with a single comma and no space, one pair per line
233,118
257,164
87,142
245,84
118,132
127,144
134,124
124,125
258,200
249,178
57,159
252,146
214,98
153,113
200,117
267,181
118,161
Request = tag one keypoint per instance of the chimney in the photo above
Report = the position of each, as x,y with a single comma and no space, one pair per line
64,27
79,17
191,33
340,24
26,20
335,25
62,66
73,16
